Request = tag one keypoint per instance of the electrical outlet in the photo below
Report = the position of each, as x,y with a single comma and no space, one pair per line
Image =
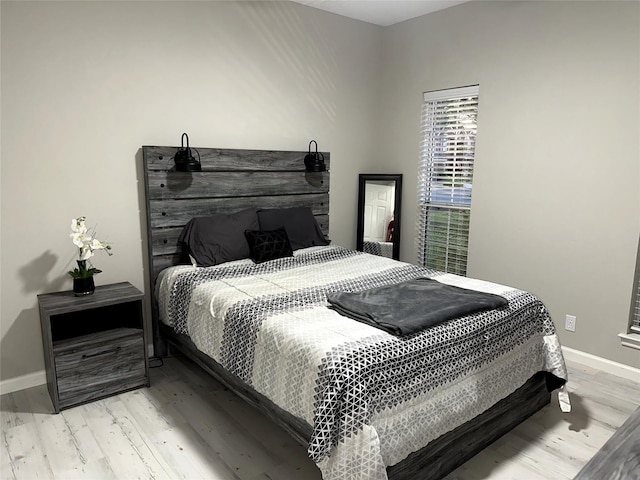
570,323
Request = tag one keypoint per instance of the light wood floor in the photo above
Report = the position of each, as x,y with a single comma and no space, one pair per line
188,426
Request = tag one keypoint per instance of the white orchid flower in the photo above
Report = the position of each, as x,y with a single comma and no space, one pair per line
97,244
87,245
80,239
78,226
86,252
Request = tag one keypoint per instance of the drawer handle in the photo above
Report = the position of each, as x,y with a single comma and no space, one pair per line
104,352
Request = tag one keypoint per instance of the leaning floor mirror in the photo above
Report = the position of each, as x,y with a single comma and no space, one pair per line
378,229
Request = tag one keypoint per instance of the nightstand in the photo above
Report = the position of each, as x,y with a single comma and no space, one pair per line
94,346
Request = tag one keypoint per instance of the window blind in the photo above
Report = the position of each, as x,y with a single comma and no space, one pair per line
445,177
635,299
635,320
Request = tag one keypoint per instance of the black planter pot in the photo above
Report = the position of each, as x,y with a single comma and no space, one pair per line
83,286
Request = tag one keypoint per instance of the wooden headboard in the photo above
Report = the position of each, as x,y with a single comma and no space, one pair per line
231,180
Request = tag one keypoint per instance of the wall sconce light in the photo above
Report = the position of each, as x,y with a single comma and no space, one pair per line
314,162
185,162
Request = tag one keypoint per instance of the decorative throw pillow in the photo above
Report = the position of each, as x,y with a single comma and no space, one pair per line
265,245
301,226
218,238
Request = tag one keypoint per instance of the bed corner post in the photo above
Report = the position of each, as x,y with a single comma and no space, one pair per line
160,347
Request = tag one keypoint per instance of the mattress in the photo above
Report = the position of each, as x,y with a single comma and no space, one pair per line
371,398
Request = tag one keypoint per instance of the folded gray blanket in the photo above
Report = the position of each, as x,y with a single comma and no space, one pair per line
411,306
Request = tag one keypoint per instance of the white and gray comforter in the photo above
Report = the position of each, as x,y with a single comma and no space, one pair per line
371,397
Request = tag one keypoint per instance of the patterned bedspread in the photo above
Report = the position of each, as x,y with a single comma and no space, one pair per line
371,398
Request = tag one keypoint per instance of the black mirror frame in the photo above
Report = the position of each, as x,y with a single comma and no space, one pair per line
397,208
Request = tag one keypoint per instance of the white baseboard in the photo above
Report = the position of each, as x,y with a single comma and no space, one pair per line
602,364
22,382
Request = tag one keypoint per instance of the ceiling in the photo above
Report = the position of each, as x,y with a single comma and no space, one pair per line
381,12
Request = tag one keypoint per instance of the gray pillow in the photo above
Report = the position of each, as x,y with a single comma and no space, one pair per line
301,226
218,238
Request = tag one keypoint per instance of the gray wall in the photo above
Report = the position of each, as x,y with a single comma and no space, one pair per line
86,84
556,208
556,197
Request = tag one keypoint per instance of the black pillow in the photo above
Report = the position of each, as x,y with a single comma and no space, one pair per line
218,238
265,245
301,226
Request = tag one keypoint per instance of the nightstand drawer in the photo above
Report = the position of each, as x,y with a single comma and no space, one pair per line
98,365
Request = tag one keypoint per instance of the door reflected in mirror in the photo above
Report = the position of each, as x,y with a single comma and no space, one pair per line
378,230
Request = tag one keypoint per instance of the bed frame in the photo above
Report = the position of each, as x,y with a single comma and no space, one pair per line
235,179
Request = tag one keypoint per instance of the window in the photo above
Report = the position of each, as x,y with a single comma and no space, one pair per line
445,177
632,337
635,300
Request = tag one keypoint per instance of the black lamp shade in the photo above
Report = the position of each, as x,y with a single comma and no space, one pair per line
184,160
314,161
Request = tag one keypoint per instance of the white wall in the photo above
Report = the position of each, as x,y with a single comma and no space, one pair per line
86,84
556,200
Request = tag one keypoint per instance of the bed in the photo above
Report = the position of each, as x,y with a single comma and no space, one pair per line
384,249
367,404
